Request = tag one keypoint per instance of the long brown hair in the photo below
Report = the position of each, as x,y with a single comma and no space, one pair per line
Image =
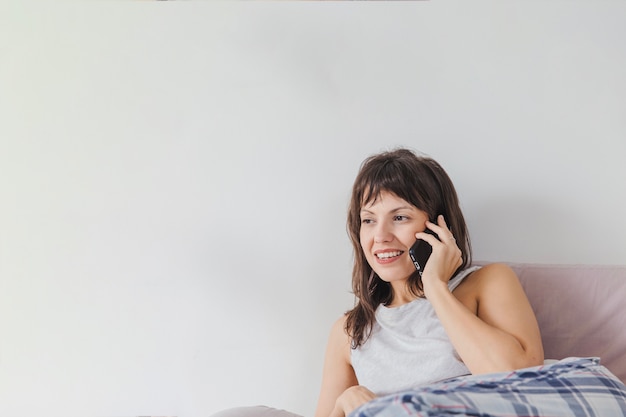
420,181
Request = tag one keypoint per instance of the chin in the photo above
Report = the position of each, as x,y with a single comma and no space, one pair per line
389,278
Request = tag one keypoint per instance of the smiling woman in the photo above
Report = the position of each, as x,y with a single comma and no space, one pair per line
409,329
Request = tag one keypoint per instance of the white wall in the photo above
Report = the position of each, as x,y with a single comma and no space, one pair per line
174,178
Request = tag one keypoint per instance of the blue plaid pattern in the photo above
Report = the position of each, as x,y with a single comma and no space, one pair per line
572,387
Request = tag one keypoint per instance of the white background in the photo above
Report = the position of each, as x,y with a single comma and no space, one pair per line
174,178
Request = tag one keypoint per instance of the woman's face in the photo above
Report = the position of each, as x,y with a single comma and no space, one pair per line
388,227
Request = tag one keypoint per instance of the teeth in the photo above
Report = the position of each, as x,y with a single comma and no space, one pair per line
385,255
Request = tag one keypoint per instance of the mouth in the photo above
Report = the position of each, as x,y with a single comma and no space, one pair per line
388,255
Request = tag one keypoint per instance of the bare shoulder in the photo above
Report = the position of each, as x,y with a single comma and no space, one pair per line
489,280
496,271
491,275
338,328
339,340
500,299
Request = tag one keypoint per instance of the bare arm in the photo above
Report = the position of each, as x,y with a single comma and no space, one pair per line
338,374
502,334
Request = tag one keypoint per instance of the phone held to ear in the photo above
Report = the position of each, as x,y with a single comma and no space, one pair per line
420,252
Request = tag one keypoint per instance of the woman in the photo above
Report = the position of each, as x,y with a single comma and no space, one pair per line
407,329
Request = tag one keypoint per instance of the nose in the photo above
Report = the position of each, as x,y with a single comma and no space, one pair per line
382,233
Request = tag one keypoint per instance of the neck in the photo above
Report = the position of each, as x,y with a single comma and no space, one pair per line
402,294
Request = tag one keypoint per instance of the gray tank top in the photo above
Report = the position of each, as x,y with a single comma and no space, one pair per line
408,347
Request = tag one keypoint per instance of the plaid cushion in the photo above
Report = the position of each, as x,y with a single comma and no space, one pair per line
572,387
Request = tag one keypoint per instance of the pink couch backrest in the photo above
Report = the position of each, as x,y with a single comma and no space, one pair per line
581,310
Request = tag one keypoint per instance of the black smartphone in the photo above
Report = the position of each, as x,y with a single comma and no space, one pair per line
420,252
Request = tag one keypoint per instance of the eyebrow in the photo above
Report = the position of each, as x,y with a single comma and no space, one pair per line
395,210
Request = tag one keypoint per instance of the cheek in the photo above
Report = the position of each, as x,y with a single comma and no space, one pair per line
366,246
365,240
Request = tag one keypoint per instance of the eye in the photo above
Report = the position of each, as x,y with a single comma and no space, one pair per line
400,218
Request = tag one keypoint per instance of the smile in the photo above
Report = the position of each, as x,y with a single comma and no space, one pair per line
388,255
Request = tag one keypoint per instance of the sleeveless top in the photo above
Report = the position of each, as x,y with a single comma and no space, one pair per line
408,347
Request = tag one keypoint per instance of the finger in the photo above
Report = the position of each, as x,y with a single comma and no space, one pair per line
441,222
443,233
440,226
427,237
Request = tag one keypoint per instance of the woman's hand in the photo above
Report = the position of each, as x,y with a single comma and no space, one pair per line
446,256
351,399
